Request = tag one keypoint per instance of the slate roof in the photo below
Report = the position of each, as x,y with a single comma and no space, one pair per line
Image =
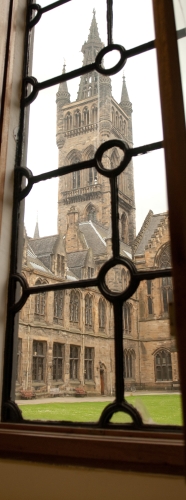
34,262
147,230
43,246
92,233
76,259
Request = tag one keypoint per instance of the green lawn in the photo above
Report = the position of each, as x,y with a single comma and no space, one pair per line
163,409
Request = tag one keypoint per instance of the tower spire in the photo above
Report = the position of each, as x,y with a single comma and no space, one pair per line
89,84
126,105
63,94
36,232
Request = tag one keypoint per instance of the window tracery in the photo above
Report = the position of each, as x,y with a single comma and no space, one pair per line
128,363
163,365
40,301
58,305
74,307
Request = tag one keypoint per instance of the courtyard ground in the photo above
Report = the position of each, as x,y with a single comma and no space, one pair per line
154,408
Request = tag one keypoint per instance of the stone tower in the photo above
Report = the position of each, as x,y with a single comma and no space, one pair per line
82,126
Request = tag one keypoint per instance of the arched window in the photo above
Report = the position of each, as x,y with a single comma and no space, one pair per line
58,306
102,314
128,364
94,114
40,302
113,116
167,289
93,175
163,365
120,122
68,121
91,213
86,116
124,127
127,318
74,307
116,119
124,228
77,116
88,311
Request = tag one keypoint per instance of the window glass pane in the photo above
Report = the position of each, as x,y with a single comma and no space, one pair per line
68,332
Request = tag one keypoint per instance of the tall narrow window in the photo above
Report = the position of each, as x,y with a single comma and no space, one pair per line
91,213
60,265
38,367
58,306
57,361
163,365
88,311
127,318
149,297
86,116
77,118
102,314
124,228
128,364
76,179
89,360
74,362
40,303
74,307
93,175
167,289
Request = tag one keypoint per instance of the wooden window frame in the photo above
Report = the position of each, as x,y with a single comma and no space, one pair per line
145,451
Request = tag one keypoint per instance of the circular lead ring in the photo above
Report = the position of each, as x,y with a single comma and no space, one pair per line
118,66
131,288
124,162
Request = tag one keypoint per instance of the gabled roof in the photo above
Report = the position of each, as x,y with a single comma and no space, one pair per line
43,246
94,236
147,230
76,259
34,263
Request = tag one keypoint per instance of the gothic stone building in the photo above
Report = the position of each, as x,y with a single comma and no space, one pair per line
66,337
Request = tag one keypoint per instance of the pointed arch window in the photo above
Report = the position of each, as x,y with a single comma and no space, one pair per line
124,228
167,288
77,116
91,213
74,307
127,321
92,175
86,116
102,314
88,311
94,114
68,121
163,365
128,364
58,306
117,119
113,116
40,302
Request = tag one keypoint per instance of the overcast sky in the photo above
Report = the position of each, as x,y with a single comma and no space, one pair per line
59,36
